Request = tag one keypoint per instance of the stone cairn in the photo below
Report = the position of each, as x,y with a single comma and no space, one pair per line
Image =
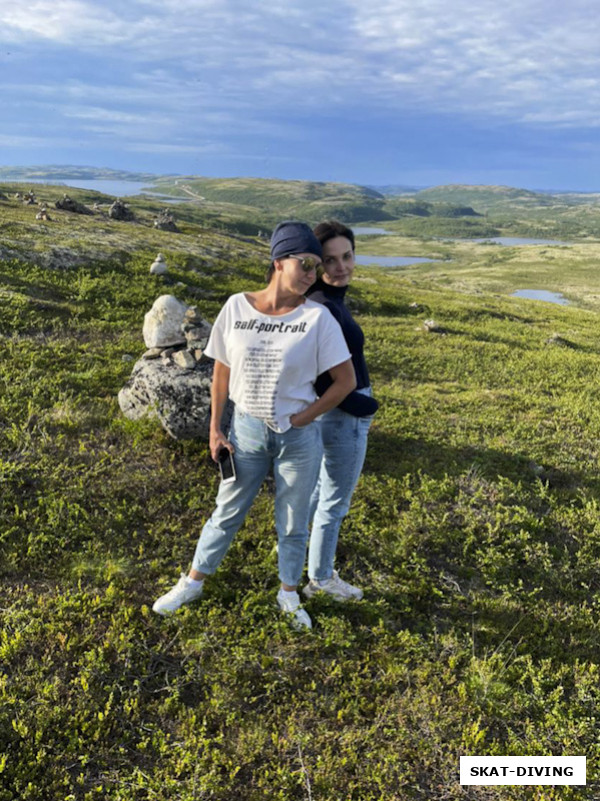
159,266
120,211
43,214
67,203
172,379
165,221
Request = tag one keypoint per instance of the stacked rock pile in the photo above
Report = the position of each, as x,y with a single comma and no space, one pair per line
158,266
120,211
172,379
165,221
43,213
67,203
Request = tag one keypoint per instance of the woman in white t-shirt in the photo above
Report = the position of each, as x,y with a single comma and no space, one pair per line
269,347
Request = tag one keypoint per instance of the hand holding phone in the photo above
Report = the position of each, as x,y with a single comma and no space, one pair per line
226,466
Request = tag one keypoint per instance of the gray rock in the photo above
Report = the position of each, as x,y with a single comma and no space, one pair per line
184,359
179,398
152,353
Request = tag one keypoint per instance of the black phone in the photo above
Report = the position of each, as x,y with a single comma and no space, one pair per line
226,466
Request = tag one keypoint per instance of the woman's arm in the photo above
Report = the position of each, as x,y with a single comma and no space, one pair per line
343,382
219,392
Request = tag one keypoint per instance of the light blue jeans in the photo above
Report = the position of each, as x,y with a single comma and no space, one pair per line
295,457
344,450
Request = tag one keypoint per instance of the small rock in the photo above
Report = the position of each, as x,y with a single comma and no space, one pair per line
152,353
127,357
183,358
556,339
432,327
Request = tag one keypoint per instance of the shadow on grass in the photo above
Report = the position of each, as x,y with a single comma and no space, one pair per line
397,456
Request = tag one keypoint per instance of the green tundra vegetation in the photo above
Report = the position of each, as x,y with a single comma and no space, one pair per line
475,528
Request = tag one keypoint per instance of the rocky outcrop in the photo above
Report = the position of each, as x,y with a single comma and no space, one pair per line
120,211
172,379
67,203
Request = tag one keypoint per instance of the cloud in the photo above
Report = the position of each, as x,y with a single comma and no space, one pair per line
169,74
525,61
62,21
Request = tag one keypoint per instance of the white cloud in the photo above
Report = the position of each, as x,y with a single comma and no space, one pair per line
227,63
62,21
523,60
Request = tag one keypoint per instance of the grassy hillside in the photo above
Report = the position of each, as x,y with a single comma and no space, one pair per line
475,531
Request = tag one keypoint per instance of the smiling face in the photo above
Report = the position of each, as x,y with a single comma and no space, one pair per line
338,261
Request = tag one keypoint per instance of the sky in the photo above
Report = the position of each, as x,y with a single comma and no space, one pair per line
402,92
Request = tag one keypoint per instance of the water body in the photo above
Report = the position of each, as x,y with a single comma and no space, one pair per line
366,230
107,187
512,241
392,261
541,294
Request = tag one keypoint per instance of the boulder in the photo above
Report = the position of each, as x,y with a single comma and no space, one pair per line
178,396
163,324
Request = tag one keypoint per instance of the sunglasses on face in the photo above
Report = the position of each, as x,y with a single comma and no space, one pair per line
307,263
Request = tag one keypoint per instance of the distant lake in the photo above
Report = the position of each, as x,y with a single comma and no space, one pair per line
392,261
364,231
513,241
112,188
541,294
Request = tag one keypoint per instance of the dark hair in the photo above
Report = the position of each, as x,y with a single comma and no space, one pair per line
329,229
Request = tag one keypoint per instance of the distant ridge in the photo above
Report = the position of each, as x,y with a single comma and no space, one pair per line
484,198
58,172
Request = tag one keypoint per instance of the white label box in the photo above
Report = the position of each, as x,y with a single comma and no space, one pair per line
536,770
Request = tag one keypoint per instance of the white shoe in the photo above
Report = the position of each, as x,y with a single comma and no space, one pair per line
180,594
300,618
334,586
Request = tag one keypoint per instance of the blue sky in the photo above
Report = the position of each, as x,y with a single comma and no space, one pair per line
416,92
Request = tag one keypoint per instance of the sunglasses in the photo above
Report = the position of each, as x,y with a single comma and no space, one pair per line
307,263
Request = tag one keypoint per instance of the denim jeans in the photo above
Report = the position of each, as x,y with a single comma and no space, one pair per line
344,450
295,457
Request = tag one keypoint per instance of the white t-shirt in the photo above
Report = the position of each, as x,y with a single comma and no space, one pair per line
274,360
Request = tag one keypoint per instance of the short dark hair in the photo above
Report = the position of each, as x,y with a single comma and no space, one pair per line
269,273
329,229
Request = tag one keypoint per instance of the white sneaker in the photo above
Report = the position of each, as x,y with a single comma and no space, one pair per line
180,594
334,586
300,618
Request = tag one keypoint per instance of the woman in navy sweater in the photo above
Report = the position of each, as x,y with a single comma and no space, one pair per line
345,428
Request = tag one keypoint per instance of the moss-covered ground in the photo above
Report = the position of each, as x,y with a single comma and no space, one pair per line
475,531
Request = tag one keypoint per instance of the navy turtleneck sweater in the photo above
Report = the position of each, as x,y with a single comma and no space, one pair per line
355,403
